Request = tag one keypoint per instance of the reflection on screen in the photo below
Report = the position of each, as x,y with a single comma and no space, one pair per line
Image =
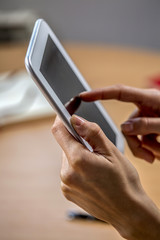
66,85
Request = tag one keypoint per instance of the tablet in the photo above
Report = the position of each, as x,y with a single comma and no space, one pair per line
59,79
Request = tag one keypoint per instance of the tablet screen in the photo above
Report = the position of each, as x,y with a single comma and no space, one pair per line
66,85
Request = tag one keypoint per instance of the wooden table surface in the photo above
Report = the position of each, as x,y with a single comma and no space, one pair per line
32,206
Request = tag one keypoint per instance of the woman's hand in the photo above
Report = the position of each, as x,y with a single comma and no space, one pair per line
104,182
143,127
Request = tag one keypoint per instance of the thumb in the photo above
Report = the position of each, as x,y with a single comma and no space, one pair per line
141,126
93,134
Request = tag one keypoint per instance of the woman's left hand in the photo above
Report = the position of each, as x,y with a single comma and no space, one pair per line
102,182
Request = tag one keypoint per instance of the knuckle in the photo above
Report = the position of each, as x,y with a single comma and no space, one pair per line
57,125
154,91
120,88
67,177
77,163
65,188
144,123
54,128
78,160
66,191
93,131
70,177
141,125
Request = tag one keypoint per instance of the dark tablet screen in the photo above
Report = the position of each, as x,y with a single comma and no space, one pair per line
66,85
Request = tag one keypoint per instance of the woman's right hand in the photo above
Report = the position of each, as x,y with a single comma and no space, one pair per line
142,128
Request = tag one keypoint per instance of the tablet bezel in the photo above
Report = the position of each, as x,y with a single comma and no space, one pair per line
33,61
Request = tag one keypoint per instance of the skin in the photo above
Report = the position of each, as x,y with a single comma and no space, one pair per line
73,104
144,121
104,182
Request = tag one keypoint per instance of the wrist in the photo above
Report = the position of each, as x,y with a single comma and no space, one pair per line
144,221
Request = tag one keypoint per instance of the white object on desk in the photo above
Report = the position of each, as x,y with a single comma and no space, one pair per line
20,99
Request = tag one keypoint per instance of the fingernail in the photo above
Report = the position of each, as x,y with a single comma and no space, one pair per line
77,121
127,127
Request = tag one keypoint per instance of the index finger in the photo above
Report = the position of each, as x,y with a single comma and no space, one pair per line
118,92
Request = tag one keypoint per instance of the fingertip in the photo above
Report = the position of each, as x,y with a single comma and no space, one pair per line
85,96
145,154
149,158
139,150
91,133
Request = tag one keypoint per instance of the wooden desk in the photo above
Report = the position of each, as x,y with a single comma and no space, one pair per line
31,204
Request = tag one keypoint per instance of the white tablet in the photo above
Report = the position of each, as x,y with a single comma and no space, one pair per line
59,80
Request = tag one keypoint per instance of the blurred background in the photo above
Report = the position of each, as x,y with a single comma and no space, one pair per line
111,42
119,22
